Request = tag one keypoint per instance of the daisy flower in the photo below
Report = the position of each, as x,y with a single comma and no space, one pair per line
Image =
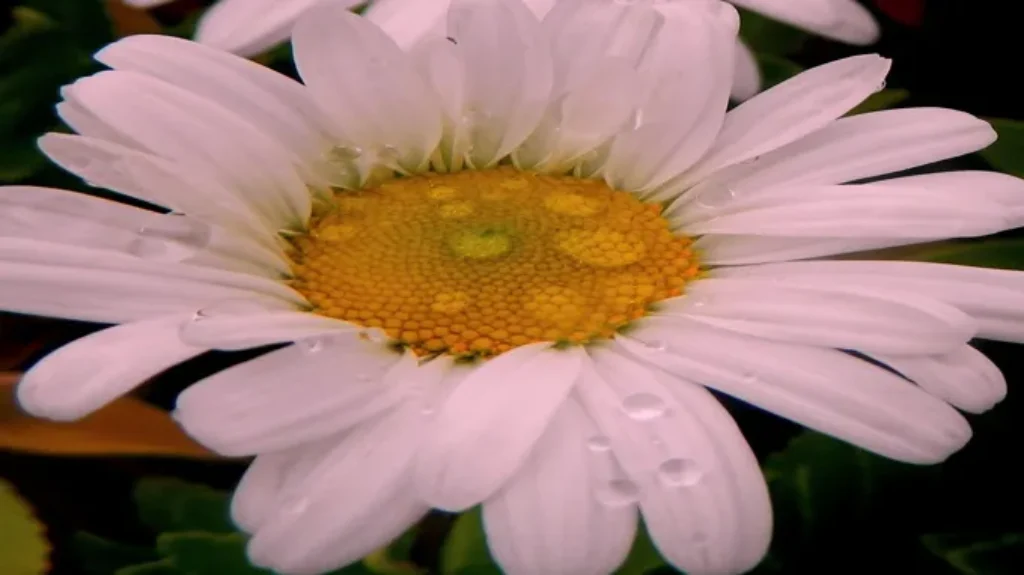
249,27
507,267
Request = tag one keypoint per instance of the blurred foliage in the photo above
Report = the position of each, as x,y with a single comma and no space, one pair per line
23,546
977,554
1002,253
1007,153
194,536
49,44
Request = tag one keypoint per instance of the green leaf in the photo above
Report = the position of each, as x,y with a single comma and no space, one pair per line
465,549
767,36
1002,253
882,100
977,555
163,567
207,553
393,559
821,489
99,556
175,505
49,44
643,557
1007,153
23,546
776,69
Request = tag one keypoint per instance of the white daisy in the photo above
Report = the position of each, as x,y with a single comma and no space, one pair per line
578,243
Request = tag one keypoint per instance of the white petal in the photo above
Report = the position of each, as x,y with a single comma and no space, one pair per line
852,148
354,502
994,298
843,20
508,75
248,27
293,395
787,112
230,328
486,428
547,519
83,122
389,109
76,219
700,489
155,180
95,285
689,70
409,23
854,211
1003,189
273,476
254,496
272,102
826,390
746,75
182,126
838,316
965,378
92,371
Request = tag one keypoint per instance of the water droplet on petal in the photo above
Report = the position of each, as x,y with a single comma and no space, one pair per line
170,238
678,472
656,345
312,345
643,406
229,307
881,86
427,410
749,377
599,443
618,493
716,197
374,336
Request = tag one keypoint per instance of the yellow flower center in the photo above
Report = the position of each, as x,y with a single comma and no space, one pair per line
478,262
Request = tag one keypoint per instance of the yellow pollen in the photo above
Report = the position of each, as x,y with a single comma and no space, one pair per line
476,263
456,210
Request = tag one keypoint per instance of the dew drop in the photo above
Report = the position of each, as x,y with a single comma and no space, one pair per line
312,345
170,238
749,377
716,197
599,444
678,472
656,345
881,86
374,336
643,406
427,410
618,493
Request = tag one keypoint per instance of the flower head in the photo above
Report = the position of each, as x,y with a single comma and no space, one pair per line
511,262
